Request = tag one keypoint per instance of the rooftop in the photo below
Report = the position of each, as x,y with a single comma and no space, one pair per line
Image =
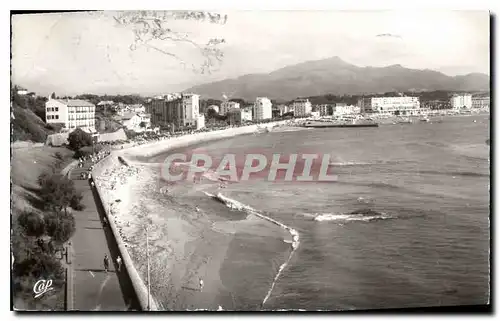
75,102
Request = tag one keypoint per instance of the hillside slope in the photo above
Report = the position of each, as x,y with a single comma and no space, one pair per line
335,76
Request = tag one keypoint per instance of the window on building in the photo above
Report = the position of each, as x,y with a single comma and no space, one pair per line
57,116
57,108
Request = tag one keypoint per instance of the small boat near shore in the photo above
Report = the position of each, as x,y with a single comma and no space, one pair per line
339,124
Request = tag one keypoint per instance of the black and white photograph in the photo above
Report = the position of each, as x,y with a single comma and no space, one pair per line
250,160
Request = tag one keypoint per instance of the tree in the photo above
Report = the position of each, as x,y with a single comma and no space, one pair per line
32,223
53,96
57,191
78,139
59,226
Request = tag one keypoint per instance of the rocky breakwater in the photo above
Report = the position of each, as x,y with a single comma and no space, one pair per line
113,177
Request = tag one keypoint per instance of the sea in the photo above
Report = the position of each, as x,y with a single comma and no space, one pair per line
405,224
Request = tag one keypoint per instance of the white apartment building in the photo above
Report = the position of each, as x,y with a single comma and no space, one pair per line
246,114
227,106
461,101
325,109
200,122
191,106
283,109
73,113
262,108
395,105
302,107
343,109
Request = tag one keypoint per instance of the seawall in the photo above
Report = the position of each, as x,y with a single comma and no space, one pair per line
139,285
148,150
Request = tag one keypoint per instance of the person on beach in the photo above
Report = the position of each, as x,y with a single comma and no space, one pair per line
106,263
201,284
119,263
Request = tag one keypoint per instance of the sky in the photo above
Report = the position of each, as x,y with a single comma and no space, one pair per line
90,52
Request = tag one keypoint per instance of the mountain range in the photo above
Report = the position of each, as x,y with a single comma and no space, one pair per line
335,76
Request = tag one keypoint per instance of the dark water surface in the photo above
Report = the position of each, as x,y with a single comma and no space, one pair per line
426,245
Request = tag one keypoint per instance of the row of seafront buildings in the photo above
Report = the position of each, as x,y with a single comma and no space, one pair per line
183,110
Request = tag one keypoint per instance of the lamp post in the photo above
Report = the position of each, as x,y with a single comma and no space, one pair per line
147,255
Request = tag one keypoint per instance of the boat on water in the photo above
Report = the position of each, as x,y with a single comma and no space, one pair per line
425,119
405,121
339,124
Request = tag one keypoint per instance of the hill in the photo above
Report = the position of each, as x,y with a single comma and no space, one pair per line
335,76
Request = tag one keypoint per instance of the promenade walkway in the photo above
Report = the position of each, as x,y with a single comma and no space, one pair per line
92,288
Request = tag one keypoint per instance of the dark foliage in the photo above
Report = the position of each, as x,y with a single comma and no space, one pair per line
76,202
78,139
59,226
56,191
32,223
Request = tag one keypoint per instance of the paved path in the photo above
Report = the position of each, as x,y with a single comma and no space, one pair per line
94,289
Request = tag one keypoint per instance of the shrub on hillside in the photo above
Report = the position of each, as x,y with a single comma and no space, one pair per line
56,127
40,265
59,226
32,223
78,139
27,126
56,191
86,151
76,202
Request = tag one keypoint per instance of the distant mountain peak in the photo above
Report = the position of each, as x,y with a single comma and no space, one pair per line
335,76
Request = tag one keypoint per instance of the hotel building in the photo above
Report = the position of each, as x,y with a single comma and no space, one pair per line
481,102
402,105
73,113
302,107
180,112
262,108
461,101
227,106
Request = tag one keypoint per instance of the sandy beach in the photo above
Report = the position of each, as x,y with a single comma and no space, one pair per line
187,244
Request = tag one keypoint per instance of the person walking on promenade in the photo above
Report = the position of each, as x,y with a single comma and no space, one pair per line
106,263
119,263
201,284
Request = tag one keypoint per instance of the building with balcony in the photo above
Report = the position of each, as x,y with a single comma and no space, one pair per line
72,113
462,101
400,105
262,109
343,109
325,109
238,116
227,106
302,107
180,112
481,102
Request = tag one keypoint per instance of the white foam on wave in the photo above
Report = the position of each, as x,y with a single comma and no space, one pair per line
233,204
349,163
349,217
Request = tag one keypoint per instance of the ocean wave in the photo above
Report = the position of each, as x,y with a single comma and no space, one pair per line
376,162
457,173
361,215
234,204
349,163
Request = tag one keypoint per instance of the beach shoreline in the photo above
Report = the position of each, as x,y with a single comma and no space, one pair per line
187,254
